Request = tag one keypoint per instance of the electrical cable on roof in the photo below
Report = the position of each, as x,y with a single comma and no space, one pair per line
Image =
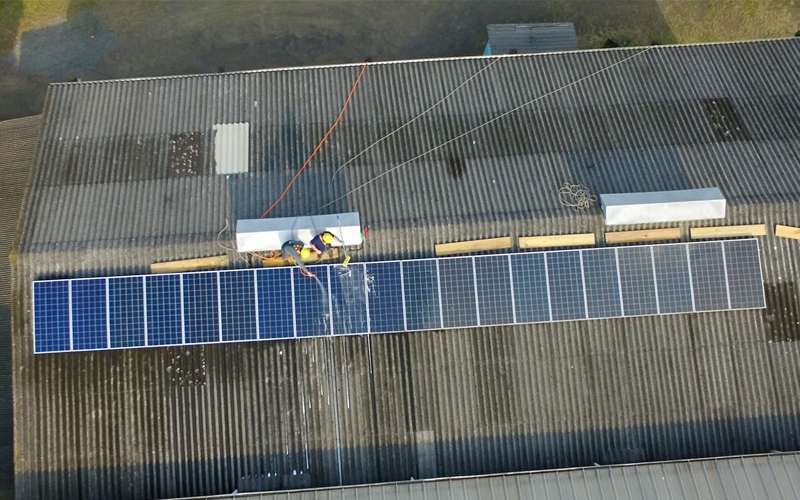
230,249
482,125
401,127
346,103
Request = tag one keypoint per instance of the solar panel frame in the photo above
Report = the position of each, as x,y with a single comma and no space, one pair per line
529,280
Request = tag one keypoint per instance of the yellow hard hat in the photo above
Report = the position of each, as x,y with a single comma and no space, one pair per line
327,238
305,253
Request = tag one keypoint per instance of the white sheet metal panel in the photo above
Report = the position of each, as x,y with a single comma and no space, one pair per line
232,148
258,235
663,206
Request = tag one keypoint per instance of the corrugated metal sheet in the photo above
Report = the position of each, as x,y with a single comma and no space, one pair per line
761,477
231,148
531,38
108,198
18,140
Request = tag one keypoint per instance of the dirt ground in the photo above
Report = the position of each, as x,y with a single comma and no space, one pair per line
44,41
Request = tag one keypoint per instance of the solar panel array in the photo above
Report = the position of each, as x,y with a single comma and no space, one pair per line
381,297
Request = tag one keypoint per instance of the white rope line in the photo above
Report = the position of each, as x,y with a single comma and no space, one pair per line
390,134
484,124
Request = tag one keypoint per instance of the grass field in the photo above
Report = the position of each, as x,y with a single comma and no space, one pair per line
165,37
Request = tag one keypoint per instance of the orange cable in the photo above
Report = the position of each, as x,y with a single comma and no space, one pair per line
320,142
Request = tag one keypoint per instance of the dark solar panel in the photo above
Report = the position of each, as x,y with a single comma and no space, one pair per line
238,301
708,276
602,283
51,316
423,310
495,297
164,310
673,281
566,285
126,312
384,283
245,305
276,316
312,303
201,308
458,292
349,299
745,283
637,280
531,291
89,314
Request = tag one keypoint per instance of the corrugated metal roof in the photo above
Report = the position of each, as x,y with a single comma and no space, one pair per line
531,38
109,198
760,477
18,140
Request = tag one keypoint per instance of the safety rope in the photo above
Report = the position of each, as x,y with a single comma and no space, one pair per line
578,198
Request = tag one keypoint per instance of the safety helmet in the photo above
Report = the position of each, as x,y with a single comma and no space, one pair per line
327,238
305,253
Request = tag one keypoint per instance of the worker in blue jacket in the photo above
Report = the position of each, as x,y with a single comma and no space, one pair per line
322,242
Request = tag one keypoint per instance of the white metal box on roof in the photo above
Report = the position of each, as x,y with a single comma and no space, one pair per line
663,206
258,235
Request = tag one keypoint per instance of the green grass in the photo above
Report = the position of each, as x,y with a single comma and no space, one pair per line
726,20
19,16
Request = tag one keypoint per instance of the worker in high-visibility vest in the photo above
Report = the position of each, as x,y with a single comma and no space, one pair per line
322,242
296,250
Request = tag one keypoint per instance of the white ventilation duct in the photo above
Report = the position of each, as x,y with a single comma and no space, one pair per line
663,206
260,235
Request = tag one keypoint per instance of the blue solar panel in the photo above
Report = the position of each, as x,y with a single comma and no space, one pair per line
385,297
566,285
126,312
200,308
708,276
89,314
423,311
457,278
637,280
744,274
673,282
51,316
238,301
164,310
495,298
349,299
312,303
602,283
243,305
531,295
275,304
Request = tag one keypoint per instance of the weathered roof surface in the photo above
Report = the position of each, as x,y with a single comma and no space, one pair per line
531,38
125,177
754,477
18,140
